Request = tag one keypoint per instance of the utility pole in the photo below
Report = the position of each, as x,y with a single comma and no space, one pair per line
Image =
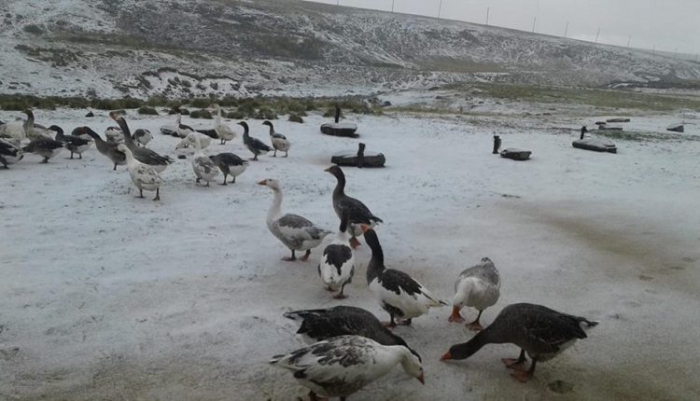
337,3
534,21
629,39
566,30
597,35
392,5
440,9
487,15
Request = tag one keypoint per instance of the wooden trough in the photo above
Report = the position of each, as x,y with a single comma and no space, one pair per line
516,154
595,144
676,128
339,129
361,158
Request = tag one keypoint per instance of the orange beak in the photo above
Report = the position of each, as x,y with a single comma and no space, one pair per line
421,379
447,356
263,182
365,227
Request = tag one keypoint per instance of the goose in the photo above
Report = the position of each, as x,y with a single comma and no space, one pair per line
143,155
279,141
295,232
16,131
204,168
397,292
540,332
45,147
74,143
144,176
341,366
223,131
142,137
337,265
186,142
182,129
114,135
322,324
36,131
477,286
255,145
359,213
230,164
108,149
9,153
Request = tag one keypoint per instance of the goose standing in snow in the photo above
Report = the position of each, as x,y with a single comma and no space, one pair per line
45,147
540,332
279,141
322,324
223,131
16,131
341,366
295,232
337,265
108,149
397,292
142,137
256,146
143,155
9,153
73,143
114,135
204,168
182,129
358,212
144,176
478,286
230,164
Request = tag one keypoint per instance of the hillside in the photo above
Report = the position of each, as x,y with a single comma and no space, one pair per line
176,48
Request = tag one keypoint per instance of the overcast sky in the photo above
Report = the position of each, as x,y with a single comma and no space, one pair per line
668,25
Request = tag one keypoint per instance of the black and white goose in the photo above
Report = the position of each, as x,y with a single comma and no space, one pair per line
358,212
204,168
143,155
342,366
144,176
397,292
540,332
182,129
142,136
74,143
230,164
296,232
337,265
45,147
9,153
478,286
322,324
256,146
108,149
279,141
114,135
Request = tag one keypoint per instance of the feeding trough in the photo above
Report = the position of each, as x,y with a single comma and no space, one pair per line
594,144
676,128
361,158
169,130
618,120
338,128
516,154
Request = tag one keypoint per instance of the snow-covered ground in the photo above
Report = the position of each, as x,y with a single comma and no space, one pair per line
107,296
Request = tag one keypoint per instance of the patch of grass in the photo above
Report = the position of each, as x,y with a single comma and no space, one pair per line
296,118
33,29
150,111
203,113
236,115
201,103
265,113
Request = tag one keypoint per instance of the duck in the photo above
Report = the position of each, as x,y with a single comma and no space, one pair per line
322,324
478,286
114,135
16,131
230,164
255,145
342,366
204,168
9,153
144,176
108,149
295,232
186,142
359,213
142,137
541,332
337,265
143,155
45,147
397,292
279,141
223,131
182,129
74,143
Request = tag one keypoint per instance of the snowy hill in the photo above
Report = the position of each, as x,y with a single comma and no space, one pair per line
176,48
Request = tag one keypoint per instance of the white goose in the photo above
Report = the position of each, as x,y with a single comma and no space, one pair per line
188,140
279,141
182,129
224,132
479,287
114,135
204,168
16,131
296,232
145,177
343,365
337,265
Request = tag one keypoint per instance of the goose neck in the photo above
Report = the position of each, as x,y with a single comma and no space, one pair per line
276,207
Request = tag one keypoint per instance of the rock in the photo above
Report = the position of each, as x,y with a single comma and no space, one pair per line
386,103
676,128
90,114
560,387
340,129
183,157
595,144
618,120
516,154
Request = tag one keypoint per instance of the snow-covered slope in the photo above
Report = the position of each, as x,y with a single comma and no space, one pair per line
119,47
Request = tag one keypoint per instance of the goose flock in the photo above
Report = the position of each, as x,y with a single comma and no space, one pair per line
346,347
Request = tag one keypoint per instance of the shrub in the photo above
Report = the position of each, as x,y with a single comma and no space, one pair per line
265,113
148,111
296,118
201,103
33,29
201,114
235,115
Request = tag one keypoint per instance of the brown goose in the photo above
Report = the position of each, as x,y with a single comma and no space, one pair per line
108,149
541,332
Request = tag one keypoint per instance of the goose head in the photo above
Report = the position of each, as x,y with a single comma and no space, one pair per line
336,171
123,148
412,364
269,124
271,183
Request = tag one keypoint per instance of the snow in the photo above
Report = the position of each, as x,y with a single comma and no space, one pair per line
107,296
